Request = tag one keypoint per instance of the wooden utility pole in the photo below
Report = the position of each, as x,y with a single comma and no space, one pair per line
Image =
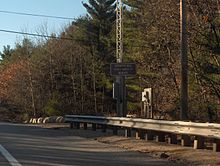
184,62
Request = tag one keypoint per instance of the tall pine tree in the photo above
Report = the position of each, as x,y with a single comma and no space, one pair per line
101,15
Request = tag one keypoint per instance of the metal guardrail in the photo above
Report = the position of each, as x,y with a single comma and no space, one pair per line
210,130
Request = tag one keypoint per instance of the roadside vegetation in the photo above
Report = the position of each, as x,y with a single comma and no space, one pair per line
69,73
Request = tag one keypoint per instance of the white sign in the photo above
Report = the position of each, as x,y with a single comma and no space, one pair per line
147,95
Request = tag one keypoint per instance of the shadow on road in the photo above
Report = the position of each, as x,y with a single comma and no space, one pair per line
40,146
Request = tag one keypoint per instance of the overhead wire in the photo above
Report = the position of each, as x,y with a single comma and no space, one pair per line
34,34
36,15
52,37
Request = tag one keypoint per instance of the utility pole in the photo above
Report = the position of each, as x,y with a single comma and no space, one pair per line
120,80
184,62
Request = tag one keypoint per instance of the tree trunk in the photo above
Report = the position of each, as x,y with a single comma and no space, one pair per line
103,99
82,84
51,76
94,84
73,84
31,89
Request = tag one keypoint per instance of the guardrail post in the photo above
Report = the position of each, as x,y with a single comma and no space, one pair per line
139,134
94,127
104,127
172,139
186,140
115,130
71,125
160,137
149,135
127,132
199,142
216,145
77,125
85,126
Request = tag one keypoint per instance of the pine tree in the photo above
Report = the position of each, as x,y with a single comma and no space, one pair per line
101,18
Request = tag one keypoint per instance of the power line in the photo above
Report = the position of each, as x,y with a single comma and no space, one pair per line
36,15
40,35
34,34
54,37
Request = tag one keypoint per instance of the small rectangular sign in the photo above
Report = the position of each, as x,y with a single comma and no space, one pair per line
123,69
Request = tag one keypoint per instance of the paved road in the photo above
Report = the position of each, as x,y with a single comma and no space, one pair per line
22,145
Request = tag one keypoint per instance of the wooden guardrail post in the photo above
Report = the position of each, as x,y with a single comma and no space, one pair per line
160,137
139,134
172,139
104,127
77,125
127,132
115,130
149,135
185,140
94,127
85,126
199,142
71,125
216,145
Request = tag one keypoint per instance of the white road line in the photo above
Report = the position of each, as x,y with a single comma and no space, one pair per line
9,157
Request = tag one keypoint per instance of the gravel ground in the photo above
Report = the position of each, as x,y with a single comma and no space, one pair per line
176,153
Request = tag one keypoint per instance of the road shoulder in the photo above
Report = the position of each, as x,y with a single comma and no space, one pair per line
175,153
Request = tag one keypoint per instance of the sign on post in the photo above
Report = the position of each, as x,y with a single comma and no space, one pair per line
147,100
123,69
147,95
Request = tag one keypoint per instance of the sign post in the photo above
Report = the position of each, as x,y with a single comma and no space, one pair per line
121,70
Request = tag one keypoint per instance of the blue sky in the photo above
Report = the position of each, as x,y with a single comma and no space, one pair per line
64,8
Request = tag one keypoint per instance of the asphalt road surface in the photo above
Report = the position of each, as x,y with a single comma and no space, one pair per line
22,145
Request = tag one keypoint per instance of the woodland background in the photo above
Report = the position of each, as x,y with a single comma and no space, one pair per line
69,73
